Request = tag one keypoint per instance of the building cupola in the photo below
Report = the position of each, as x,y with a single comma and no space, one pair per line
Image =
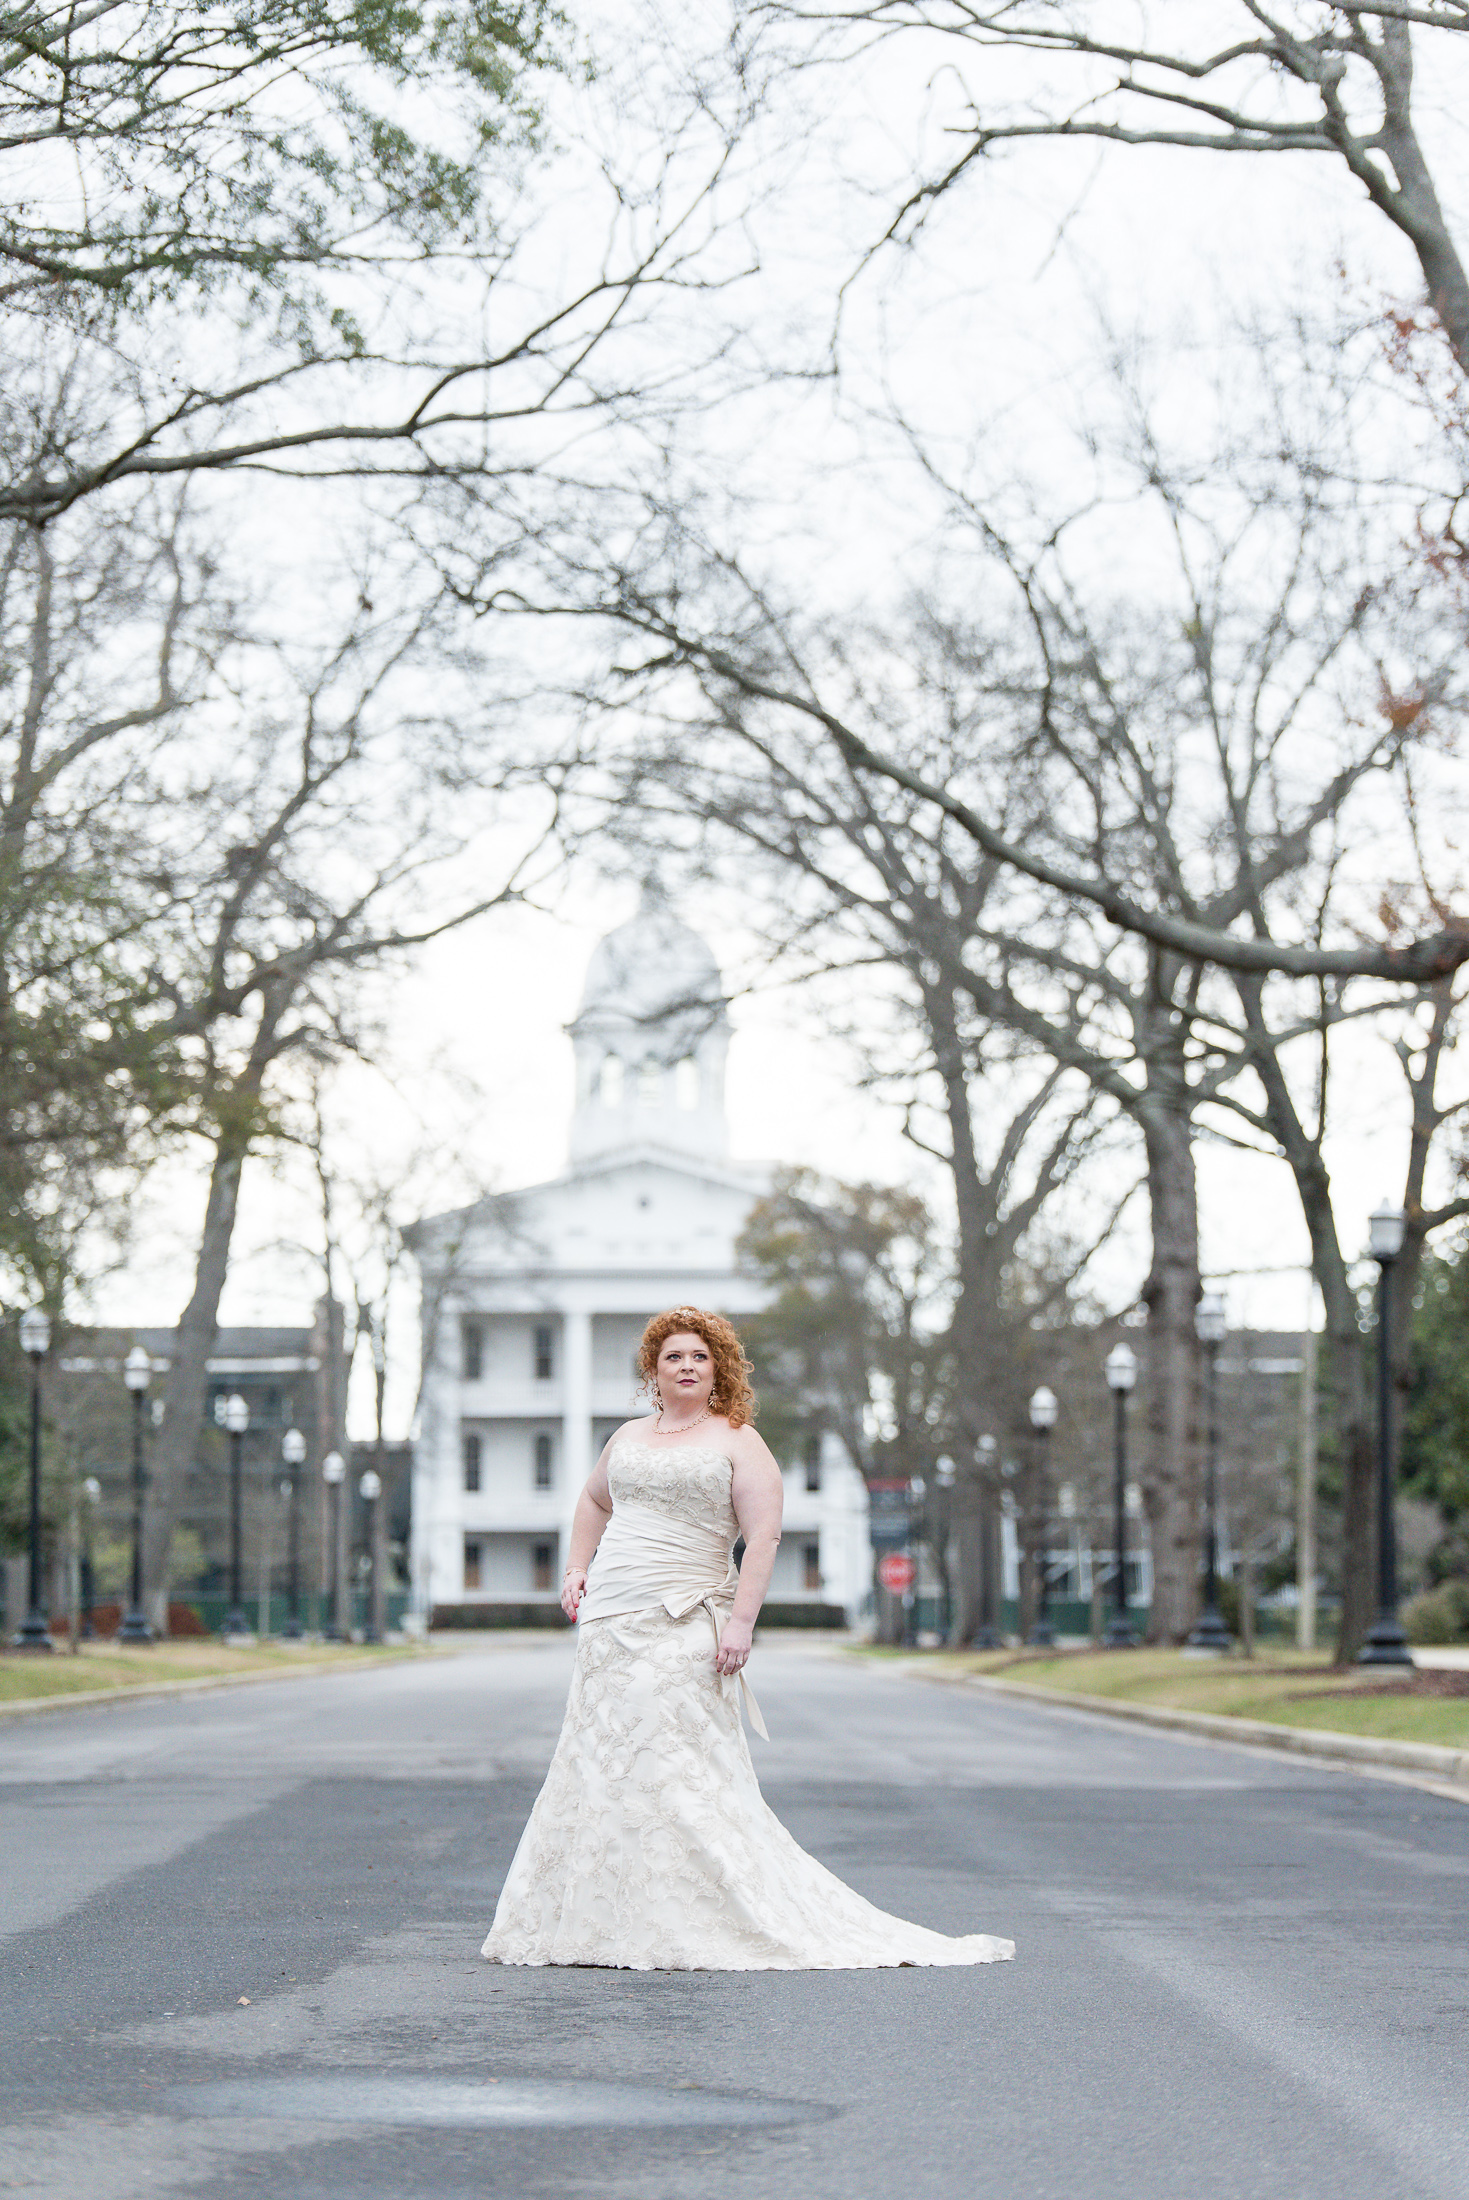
651,1038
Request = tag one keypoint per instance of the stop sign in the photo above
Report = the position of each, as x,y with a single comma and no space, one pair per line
897,1572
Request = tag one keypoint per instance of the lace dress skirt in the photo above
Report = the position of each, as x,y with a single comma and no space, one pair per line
651,1848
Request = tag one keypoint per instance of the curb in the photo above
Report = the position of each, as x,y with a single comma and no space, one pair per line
1292,1741
87,1699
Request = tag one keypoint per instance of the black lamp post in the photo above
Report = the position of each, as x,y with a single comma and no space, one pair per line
236,1418
1386,1644
1043,1411
1121,1367
988,1635
137,1373
371,1487
293,1451
35,1342
1211,1638
92,1496
333,1473
943,1475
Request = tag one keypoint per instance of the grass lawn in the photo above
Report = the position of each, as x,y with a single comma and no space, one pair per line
1286,1687
26,1677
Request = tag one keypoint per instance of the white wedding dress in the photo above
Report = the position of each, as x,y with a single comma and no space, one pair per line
650,1847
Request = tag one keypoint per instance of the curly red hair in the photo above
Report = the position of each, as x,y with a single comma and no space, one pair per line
732,1395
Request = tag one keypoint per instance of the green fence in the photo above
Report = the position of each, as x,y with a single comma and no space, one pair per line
1073,1617
315,1611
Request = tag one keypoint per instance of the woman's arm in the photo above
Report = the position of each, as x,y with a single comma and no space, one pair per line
588,1524
759,1500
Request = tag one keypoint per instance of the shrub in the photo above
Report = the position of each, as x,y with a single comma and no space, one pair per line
1440,1615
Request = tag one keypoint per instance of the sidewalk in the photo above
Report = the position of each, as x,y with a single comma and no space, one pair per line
1297,1687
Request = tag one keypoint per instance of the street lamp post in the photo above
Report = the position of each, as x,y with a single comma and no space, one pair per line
943,1475
1386,1644
1121,1375
1043,1411
293,1451
1211,1638
236,1420
35,1342
988,1635
137,1373
371,1486
333,1473
92,1495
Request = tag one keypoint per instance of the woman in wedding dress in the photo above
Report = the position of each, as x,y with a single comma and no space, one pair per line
650,1847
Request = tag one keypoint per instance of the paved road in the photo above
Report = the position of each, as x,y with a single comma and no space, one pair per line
1236,1976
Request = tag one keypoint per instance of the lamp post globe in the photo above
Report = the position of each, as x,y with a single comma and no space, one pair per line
293,1451
334,1473
35,1343
1044,1408
1121,1372
137,1373
988,1635
236,1418
35,1333
1211,1638
1386,1643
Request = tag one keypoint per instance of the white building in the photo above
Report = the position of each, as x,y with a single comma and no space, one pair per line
534,1303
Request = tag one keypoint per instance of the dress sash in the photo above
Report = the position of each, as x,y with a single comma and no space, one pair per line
647,1556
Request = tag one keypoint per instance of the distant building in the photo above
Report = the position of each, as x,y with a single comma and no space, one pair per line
534,1304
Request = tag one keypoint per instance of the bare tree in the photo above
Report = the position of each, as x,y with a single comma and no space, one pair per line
1181,775
110,628
254,185
339,839
1250,78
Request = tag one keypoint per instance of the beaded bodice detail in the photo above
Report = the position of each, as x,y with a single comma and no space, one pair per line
687,1481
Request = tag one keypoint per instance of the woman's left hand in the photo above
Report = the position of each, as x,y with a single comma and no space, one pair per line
734,1646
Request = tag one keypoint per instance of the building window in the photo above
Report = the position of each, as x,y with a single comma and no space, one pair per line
543,1462
650,1084
471,1462
542,1564
472,1550
543,1353
610,1082
811,1452
471,1351
811,1560
686,1084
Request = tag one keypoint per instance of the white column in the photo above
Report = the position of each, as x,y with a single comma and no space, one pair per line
577,1455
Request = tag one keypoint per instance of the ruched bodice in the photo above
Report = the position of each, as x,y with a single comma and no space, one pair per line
671,1534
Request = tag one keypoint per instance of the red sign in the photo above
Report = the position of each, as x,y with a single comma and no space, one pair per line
897,1572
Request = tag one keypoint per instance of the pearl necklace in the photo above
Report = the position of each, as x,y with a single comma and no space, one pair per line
698,1417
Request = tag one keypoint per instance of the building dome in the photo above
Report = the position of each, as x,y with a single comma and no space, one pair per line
652,972
650,1039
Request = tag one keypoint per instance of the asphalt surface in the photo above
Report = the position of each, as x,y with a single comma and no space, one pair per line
242,1932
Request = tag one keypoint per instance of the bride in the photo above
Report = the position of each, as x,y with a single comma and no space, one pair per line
650,1847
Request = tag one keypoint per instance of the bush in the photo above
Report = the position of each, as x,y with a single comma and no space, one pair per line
1440,1615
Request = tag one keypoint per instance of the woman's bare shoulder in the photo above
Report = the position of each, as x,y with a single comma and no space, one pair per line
748,1448
643,1426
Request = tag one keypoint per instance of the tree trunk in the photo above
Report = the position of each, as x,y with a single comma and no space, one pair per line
1171,1293
1416,207
188,1376
969,1543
